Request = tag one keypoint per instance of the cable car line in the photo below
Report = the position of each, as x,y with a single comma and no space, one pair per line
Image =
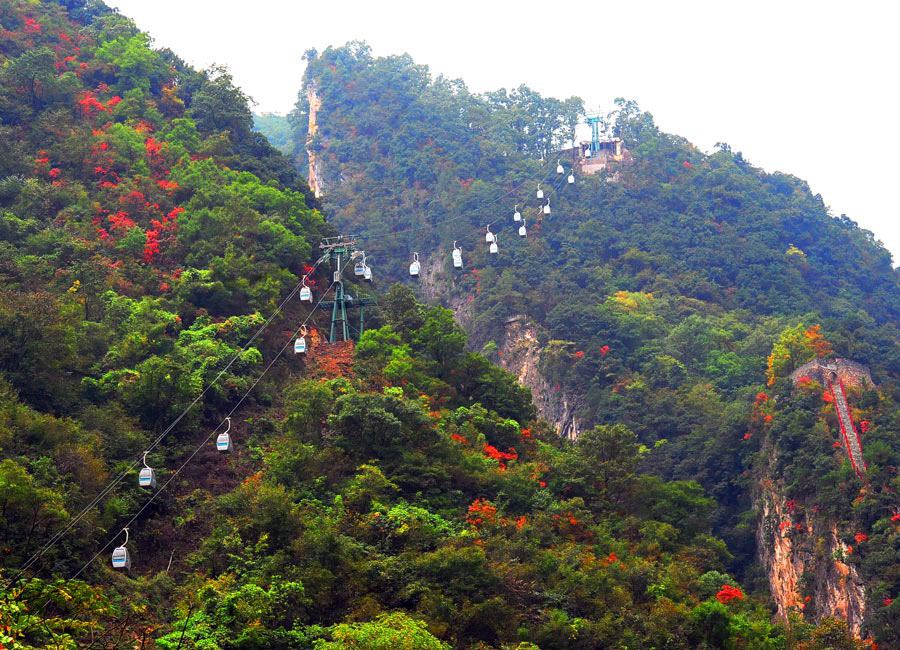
193,454
147,475
96,500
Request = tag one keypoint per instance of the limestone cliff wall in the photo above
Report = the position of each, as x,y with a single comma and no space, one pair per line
803,556
314,176
520,354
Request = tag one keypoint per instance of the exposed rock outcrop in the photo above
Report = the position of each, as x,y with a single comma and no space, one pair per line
314,176
520,353
803,557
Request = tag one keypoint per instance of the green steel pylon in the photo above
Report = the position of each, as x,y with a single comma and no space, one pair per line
341,251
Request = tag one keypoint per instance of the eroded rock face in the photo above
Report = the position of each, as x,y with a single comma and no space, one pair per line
803,557
314,177
520,354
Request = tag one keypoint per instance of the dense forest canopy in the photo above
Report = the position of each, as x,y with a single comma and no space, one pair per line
399,491
663,288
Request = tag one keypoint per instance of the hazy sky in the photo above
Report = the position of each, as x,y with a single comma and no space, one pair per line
804,87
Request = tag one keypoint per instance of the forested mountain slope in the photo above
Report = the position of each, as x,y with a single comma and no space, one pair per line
667,294
394,493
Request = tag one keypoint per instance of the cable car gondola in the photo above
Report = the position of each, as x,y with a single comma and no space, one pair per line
414,267
300,342
517,216
489,236
147,477
121,558
223,441
522,231
494,249
559,168
547,207
540,192
571,179
457,256
305,292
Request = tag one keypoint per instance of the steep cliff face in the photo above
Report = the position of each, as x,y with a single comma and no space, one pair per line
520,354
803,557
315,173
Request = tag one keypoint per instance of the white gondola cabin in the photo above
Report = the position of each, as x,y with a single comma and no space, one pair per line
540,192
414,268
547,207
457,256
147,476
359,269
367,273
489,236
517,216
121,558
300,342
559,168
305,294
494,249
571,179
522,231
223,440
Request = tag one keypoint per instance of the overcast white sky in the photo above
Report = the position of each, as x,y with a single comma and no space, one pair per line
805,87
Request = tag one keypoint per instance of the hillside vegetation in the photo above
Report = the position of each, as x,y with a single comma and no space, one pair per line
399,493
669,292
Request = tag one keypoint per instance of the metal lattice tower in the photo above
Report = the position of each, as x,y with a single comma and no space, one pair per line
594,121
341,251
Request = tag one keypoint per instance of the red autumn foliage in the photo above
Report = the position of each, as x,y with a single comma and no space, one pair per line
167,185
32,26
790,505
861,537
113,102
827,397
121,221
134,196
481,511
895,518
767,419
90,105
612,558
500,456
887,601
526,433
604,350
804,381
864,426
687,165
54,173
784,525
836,444
817,342
460,439
761,398
729,593
747,436
520,522
153,147
579,354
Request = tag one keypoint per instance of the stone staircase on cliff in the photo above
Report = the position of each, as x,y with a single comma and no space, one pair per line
852,442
